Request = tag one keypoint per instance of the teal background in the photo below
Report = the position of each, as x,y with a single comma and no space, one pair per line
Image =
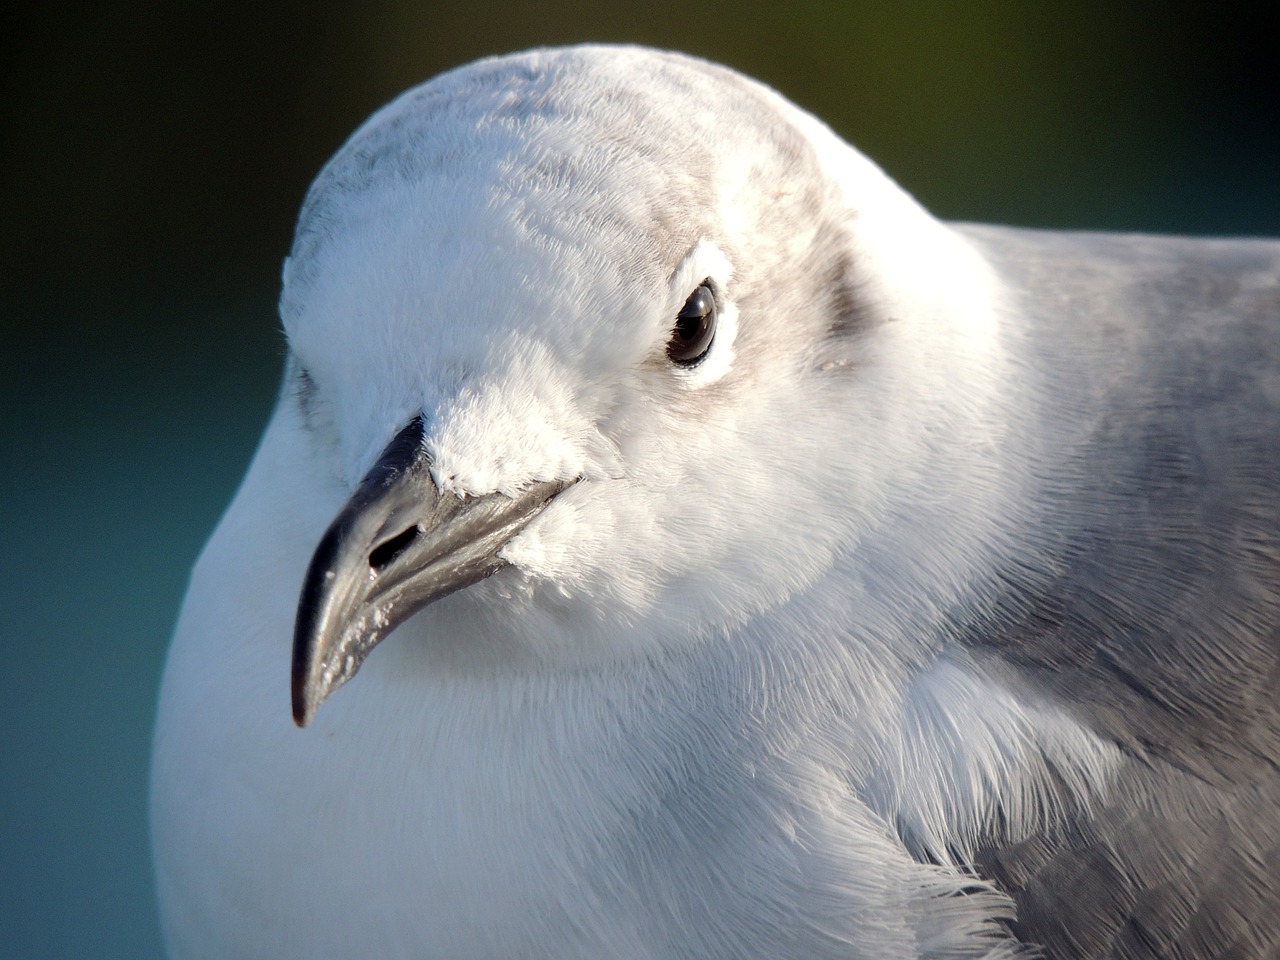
153,158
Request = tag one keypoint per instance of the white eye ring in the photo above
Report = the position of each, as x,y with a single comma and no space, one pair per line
705,266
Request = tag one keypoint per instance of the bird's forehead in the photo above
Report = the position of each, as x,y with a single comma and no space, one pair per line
549,183
589,120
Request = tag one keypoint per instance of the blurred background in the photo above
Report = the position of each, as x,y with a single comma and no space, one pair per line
155,155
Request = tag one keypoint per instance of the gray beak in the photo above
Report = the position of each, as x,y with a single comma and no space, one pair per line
397,545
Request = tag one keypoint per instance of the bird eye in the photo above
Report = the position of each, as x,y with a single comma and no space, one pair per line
695,327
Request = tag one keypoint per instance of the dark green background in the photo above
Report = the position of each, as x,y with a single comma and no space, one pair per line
154,155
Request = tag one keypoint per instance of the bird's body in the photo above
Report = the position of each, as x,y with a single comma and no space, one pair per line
941,588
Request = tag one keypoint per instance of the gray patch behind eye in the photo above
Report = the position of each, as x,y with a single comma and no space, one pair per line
849,314
305,395
848,310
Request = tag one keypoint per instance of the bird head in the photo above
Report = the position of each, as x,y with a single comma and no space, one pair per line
596,344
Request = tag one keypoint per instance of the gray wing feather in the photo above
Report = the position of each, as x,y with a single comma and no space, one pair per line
1173,868
1147,603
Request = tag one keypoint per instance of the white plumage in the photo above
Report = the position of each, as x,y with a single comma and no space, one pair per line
752,683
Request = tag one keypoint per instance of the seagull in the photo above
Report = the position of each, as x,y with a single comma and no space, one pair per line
673,542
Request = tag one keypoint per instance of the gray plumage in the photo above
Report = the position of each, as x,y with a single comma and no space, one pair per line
1149,603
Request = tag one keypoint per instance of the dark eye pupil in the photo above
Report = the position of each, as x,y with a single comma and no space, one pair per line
695,328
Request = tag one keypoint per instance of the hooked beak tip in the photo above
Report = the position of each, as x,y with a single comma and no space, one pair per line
397,545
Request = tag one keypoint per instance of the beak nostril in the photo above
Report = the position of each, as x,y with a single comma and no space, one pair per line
388,550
